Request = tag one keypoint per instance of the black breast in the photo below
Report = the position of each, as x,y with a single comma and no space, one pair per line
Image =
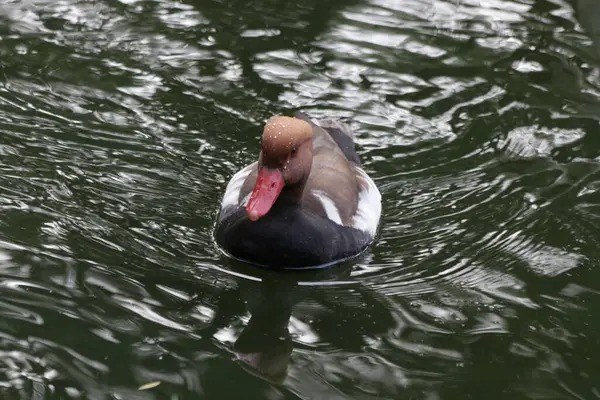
287,237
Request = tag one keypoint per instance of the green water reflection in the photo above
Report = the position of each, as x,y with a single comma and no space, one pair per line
121,122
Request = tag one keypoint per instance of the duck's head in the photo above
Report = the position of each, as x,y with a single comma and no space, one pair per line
285,160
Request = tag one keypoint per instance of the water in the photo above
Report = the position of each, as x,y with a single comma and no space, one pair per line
122,121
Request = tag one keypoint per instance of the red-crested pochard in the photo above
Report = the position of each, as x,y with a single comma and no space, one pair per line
306,202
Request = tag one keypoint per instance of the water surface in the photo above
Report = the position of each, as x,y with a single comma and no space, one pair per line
122,121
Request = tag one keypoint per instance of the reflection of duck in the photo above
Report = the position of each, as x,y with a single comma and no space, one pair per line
280,306
305,202
265,345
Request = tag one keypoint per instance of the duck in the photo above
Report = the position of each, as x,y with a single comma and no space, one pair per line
306,202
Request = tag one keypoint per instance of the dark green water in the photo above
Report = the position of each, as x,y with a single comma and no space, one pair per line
121,122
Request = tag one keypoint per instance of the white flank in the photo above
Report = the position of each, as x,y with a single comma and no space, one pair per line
329,206
232,192
368,211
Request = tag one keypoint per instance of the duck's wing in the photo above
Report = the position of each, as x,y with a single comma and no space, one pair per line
337,187
239,188
339,131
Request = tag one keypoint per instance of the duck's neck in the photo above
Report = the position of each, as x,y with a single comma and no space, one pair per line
292,193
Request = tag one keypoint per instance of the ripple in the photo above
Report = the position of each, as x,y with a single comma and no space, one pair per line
123,121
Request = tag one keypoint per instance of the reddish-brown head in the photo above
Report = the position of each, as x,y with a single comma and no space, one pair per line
285,160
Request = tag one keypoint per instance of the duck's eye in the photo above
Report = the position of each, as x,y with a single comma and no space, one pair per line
294,150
